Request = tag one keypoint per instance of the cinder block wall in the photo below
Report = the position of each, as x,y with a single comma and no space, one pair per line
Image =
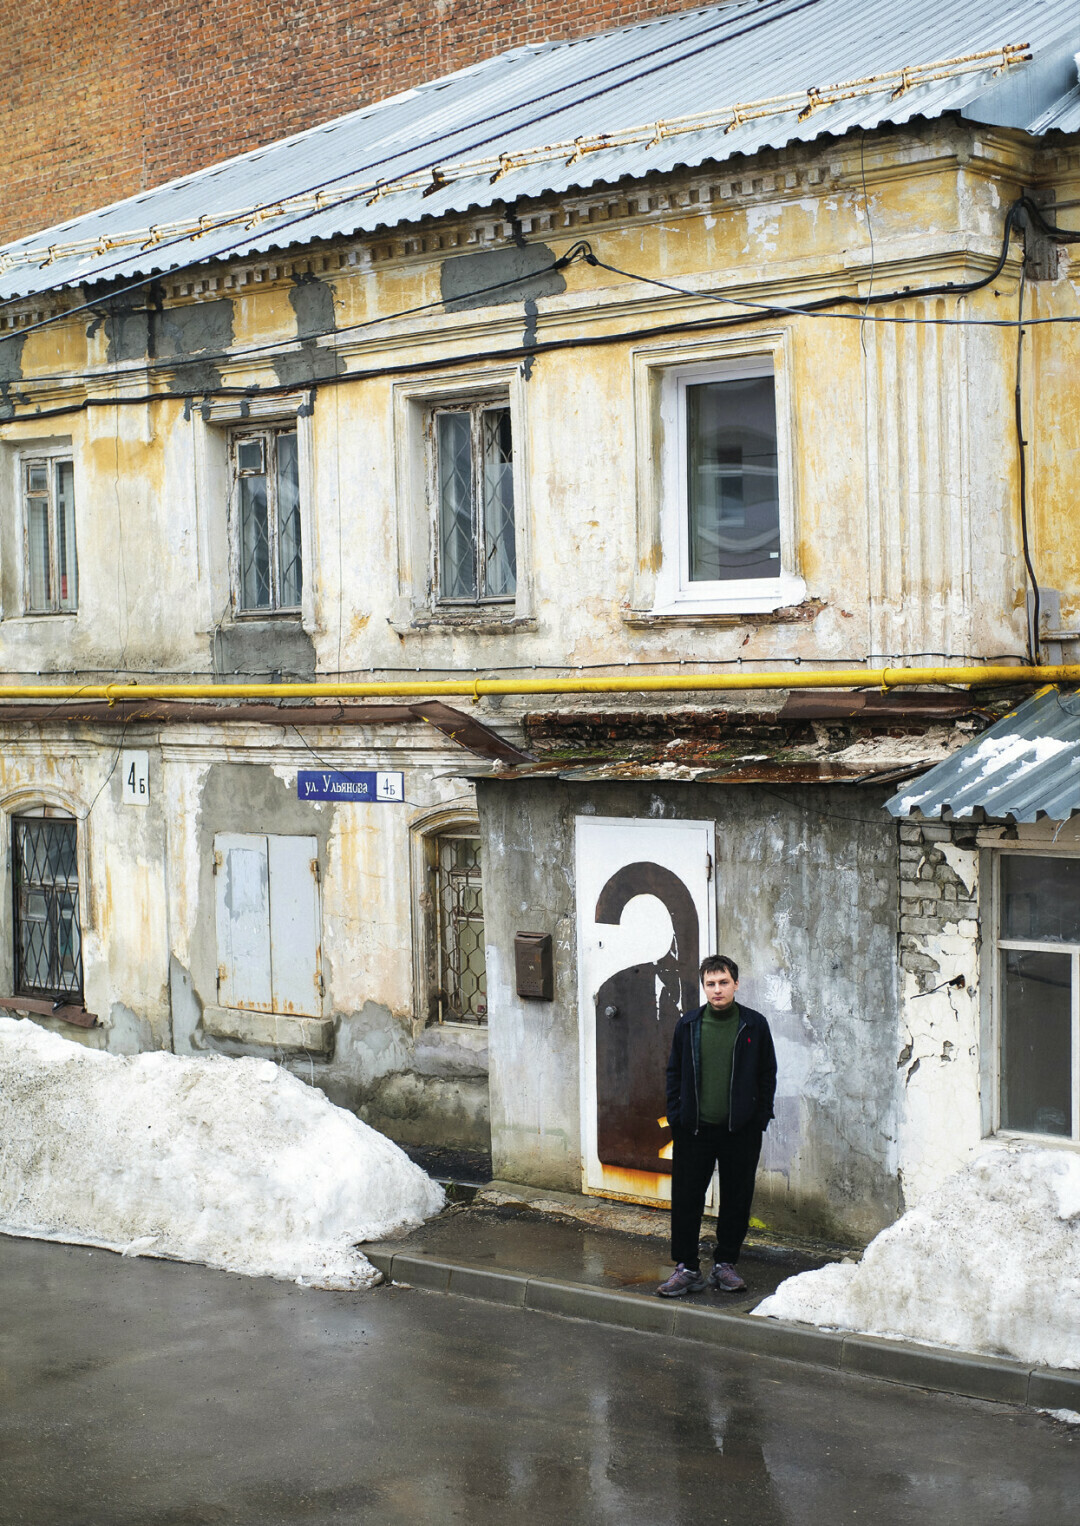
107,99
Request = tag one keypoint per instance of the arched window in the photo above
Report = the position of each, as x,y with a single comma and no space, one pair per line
45,895
451,963
458,903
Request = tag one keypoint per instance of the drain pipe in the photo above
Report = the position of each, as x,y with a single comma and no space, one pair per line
801,678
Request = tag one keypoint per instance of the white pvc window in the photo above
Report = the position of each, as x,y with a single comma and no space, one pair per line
1038,995
52,573
727,522
269,570
475,560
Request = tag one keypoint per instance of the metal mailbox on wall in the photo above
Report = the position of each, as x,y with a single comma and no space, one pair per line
533,965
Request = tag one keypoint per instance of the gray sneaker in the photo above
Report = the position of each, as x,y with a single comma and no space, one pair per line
725,1279
683,1280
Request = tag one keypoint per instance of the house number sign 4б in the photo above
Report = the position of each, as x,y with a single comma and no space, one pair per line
135,778
366,786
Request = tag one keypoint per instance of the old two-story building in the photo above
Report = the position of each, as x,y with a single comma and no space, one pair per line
501,504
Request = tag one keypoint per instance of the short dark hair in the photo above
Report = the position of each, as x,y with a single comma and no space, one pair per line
719,962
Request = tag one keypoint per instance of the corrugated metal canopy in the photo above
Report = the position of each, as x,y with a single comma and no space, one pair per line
1024,767
754,75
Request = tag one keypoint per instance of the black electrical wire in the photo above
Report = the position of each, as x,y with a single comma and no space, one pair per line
870,659
1021,458
824,306
210,357
1022,207
756,312
376,186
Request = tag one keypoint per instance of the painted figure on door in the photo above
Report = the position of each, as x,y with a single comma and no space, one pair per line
636,1012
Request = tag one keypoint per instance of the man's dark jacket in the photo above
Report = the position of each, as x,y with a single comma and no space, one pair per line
753,1073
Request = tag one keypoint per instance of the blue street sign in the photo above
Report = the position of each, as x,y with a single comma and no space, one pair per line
366,786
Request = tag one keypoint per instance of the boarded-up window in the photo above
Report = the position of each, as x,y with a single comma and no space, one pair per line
268,933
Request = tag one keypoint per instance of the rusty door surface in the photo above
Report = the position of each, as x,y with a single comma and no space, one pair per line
645,917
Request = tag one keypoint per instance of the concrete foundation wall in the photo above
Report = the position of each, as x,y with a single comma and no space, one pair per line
806,884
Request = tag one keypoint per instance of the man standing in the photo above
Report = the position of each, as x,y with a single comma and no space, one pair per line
721,1080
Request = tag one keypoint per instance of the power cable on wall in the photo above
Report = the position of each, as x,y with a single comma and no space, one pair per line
749,312
881,658
1021,460
108,776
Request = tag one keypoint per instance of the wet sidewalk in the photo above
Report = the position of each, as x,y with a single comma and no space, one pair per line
523,1240
578,1257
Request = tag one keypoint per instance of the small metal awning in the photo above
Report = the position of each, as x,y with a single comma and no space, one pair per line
1026,766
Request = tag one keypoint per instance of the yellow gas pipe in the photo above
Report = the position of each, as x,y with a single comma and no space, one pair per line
799,678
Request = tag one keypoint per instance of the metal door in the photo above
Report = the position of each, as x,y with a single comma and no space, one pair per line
243,921
269,939
646,915
295,937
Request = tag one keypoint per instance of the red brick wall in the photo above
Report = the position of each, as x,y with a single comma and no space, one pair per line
104,98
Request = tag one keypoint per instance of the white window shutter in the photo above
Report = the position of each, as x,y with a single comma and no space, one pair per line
243,922
295,952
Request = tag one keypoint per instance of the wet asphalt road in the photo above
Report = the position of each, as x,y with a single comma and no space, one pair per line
146,1393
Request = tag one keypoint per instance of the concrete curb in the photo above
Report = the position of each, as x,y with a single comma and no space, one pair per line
952,1372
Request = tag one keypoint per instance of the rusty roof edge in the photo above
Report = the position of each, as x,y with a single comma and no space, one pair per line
468,732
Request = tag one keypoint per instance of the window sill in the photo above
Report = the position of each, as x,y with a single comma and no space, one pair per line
38,1006
269,1030
44,614
675,615
482,622
244,615
1046,1141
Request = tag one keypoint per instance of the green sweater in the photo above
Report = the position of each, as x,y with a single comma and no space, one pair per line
718,1033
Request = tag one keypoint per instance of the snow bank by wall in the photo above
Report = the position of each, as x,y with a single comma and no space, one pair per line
234,1163
990,1262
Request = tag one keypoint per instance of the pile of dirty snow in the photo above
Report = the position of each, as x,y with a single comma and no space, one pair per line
990,1262
234,1163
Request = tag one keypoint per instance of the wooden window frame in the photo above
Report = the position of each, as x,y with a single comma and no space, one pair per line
268,435
474,409
55,603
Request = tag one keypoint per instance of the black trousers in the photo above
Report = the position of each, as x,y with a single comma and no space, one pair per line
694,1156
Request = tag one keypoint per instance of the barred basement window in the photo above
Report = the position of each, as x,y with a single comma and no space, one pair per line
458,918
269,573
52,574
48,943
476,561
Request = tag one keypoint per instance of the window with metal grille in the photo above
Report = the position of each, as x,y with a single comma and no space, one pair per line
458,917
269,559
52,573
48,943
475,558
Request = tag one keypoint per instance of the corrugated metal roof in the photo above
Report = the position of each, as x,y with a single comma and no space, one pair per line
1026,766
747,72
